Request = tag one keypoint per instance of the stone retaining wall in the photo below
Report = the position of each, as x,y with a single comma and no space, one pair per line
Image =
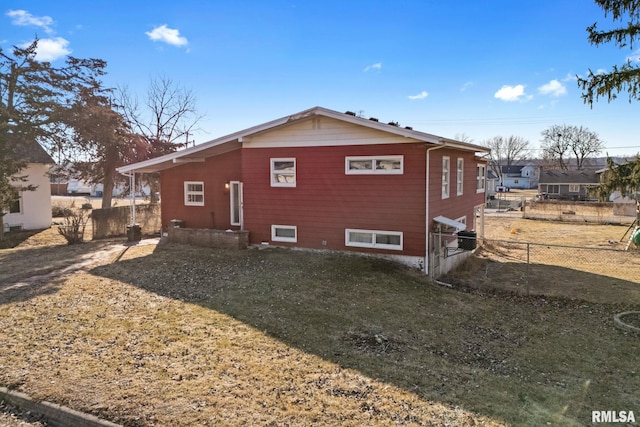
209,238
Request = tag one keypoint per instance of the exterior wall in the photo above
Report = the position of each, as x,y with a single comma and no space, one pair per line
214,173
35,211
455,206
582,212
326,201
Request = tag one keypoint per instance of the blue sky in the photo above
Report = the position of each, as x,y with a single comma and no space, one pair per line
473,68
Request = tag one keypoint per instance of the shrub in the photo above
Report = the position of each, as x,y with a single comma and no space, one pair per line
73,225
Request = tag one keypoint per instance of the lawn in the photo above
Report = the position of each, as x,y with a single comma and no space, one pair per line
176,335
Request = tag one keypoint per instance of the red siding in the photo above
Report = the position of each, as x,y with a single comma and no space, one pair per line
325,200
214,172
455,206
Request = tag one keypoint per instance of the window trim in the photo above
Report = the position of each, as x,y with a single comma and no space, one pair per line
446,177
272,171
574,188
373,244
276,238
481,178
235,197
373,170
460,176
187,193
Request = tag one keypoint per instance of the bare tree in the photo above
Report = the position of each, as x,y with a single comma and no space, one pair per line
165,123
561,142
505,151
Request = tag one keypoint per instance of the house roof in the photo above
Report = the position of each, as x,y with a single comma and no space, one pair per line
235,140
586,176
32,152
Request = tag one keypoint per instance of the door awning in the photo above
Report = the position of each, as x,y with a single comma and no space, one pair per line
457,225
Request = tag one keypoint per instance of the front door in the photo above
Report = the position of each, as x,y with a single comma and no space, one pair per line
235,194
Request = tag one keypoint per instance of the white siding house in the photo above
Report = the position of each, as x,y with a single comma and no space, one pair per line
32,209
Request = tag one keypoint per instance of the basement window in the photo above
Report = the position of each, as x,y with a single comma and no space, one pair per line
284,233
373,239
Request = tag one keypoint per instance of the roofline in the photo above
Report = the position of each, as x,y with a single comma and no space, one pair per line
315,111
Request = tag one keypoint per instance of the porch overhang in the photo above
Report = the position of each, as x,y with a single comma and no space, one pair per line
451,223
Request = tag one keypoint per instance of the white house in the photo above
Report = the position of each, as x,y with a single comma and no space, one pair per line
32,209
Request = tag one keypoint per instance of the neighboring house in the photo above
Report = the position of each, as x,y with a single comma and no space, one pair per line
522,176
32,209
492,183
567,184
323,179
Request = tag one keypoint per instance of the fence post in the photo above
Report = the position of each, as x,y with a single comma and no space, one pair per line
527,279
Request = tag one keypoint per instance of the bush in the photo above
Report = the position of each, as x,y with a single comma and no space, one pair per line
73,225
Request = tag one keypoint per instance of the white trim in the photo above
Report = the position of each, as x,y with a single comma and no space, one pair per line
460,176
233,199
574,188
446,178
483,179
276,238
373,244
273,173
374,170
188,193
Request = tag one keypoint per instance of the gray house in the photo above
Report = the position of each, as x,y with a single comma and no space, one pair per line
567,184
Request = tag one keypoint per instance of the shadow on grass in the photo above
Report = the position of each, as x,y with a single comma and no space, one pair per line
526,360
13,239
28,272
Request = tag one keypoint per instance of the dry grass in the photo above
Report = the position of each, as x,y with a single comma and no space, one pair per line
599,271
175,335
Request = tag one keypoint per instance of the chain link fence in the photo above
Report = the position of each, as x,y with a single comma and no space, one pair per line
601,274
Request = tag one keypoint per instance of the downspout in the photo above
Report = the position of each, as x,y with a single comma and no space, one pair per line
426,226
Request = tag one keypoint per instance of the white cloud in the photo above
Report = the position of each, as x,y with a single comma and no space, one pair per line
466,86
167,35
553,88
50,49
421,95
511,93
376,66
25,19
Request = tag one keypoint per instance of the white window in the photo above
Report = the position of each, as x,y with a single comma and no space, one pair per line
574,188
284,233
460,177
235,196
373,239
445,177
481,171
283,172
364,165
194,193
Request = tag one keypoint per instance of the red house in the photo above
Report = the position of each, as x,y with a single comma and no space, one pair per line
323,179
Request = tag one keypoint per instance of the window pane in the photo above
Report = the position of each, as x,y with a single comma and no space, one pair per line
388,239
195,197
283,166
356,237
390,164
289,233
281,177
194,187
360,164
